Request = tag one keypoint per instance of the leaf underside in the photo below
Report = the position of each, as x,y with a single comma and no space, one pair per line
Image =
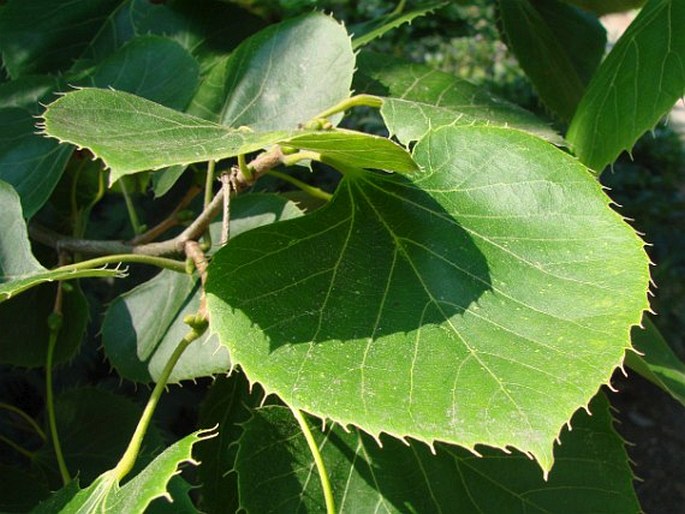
481,301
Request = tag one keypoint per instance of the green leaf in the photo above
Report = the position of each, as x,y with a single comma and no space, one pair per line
58,499
143,326
366,32
153,67
639,81
105,494
600,7
481,301
90,441
592,474
658,363
16,257
43,36
25,334
280,77
557,45
132,134
26,92
179,501
209,30
227,405
356,149
418,98
31,163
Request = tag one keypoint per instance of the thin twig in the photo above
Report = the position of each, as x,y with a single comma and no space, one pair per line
176,245
167,223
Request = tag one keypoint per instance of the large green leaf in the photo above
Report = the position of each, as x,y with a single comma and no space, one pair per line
132,134
592,473
143,326
481,301
45,36
105,494
639,81
91,442
658,363
418,98
281,76
557,45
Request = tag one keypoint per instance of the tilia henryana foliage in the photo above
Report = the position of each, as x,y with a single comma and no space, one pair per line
412,335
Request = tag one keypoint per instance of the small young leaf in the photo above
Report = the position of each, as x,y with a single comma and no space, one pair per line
658,364
592,474
365,33
281,76
418,98
558,46
132,134
105,494
449,305
639,81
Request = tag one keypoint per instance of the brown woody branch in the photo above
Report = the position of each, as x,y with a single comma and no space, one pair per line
174,246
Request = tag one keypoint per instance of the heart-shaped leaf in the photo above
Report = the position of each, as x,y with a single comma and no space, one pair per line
481,301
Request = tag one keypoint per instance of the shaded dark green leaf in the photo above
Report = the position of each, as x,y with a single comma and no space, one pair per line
226,407
658,363
43,36
91,442
25,334
557,45
592,473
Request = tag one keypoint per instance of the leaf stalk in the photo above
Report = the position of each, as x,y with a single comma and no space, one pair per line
318,460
